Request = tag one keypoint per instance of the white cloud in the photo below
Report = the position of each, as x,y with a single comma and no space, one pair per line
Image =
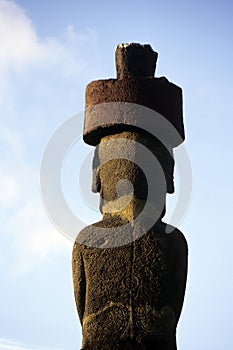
9,190
22,49
11,154
25,54
6,344
12,141
21,45
36,240
24,220
19,42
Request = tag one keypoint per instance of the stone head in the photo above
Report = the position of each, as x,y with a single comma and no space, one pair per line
122,180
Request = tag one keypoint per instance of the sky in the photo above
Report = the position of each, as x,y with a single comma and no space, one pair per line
49,51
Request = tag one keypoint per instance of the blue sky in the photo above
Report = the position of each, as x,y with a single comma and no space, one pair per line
49,52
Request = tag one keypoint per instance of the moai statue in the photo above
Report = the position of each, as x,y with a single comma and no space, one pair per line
129,271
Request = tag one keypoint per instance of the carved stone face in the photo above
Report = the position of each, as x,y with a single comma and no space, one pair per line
122,183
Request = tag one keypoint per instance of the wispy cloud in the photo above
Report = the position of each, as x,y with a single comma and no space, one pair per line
23,217
22,49
24,55
6,344
18,38
21,45
36,240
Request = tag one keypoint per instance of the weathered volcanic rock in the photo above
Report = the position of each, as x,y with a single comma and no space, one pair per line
135,60
157,94
129,274
133,174
135,84
129,297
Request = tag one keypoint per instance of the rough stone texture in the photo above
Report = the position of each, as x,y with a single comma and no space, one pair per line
157,94
135,60
130,297
164,157
129,280
124,169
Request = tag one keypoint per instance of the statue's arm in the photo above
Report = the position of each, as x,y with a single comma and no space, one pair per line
79,280
180,273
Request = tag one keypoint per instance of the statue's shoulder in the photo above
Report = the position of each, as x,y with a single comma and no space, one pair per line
107,233
175,237
89,236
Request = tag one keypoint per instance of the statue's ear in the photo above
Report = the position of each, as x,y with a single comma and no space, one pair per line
96,183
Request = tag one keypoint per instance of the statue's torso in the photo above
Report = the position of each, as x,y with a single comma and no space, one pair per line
129,291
